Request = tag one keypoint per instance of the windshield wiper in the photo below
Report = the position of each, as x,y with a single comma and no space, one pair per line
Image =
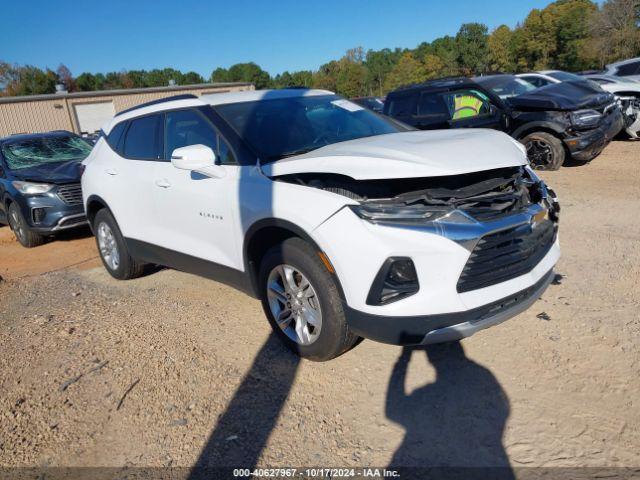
293,153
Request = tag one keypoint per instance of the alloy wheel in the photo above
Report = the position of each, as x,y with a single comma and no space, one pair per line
294,304
108,246
539,152
17,225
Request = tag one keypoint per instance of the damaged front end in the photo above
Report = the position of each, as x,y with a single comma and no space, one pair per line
506,218
468,198
630,106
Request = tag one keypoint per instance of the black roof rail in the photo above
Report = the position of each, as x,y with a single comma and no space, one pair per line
445,81
185,96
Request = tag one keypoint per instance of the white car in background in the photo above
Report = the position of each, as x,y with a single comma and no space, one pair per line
345,223
628,69
626,90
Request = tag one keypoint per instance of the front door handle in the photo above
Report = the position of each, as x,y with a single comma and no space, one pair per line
163,183
111,171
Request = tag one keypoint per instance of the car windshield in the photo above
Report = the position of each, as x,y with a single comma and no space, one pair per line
283,127
565,76
506,87
37,151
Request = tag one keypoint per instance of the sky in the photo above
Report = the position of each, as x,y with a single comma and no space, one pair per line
116,35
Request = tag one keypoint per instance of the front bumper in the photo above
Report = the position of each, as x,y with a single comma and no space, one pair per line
57,216
440,310
589,144
427,329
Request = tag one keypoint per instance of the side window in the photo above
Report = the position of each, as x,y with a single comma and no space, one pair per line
466,104
142,140
188,127
401,106
225,154
632,68
432,105
537,81
115,136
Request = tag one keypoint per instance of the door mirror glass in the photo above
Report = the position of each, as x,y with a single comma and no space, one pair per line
197,158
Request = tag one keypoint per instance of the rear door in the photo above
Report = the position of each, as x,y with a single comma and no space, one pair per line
128,172
402,106
432,111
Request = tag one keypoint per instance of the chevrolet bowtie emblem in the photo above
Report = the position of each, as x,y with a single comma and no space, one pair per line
538,218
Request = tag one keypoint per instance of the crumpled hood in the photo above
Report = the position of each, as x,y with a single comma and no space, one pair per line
59,172
562,96
407,155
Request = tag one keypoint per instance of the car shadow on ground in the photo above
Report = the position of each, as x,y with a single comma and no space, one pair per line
454,425
243,430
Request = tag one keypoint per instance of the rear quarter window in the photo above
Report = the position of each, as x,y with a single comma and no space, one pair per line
114,139
401,106
632,68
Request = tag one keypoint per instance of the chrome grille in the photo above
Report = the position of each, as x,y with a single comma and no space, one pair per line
506,254
70,194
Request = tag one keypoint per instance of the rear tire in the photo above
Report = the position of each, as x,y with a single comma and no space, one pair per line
544,150
24,235
327,336
113,249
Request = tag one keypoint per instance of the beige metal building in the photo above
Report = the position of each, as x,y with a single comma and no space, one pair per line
86,112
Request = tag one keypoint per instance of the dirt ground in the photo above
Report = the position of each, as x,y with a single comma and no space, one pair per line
171,369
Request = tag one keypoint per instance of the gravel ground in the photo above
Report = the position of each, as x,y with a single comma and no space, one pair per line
171,369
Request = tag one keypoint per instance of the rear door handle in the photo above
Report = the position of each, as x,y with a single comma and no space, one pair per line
111,171
163,183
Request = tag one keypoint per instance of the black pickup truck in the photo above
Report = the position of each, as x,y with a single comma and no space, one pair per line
553,122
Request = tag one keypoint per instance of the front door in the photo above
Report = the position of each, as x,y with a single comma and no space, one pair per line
198,215
472,109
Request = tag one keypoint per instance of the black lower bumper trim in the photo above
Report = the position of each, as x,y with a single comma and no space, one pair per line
412,330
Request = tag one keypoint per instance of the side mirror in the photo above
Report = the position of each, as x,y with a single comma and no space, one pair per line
197,158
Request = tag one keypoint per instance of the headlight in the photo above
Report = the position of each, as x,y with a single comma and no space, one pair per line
29,188
387,213
585,118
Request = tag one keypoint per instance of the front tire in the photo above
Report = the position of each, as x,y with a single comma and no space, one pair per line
21,230
544,150
113,249
302,302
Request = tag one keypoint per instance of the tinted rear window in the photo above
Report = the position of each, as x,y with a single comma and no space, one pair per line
142,138
114,137
628,69
432,104
401,106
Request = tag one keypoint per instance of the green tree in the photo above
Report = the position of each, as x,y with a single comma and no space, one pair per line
34,81
408,70
447,49
614,31
500,50
433,66
327,76
220,75
572,33
471,45
379,63
86,82
351,74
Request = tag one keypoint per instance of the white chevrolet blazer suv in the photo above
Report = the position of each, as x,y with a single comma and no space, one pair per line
344,223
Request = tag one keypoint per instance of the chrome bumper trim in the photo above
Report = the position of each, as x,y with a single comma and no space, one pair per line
466,329
59,227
